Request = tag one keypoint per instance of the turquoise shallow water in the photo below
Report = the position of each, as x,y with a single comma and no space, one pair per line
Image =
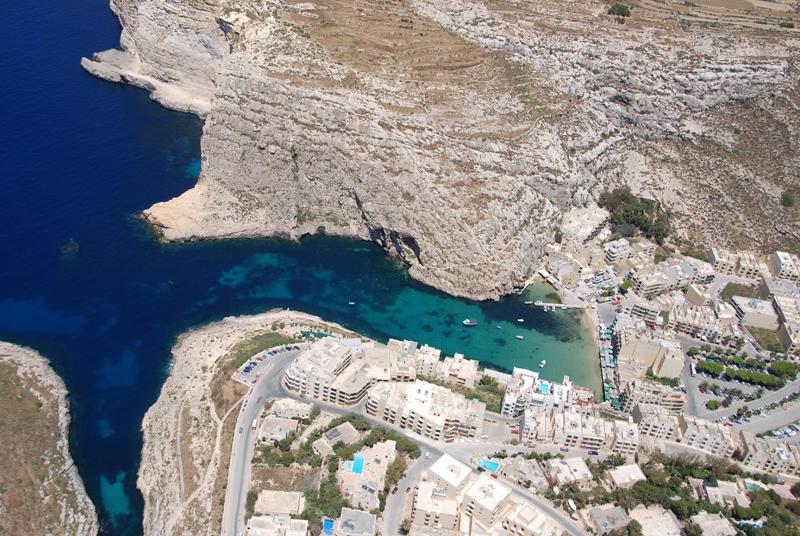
79,157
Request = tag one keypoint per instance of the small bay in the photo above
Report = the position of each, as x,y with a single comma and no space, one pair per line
82,281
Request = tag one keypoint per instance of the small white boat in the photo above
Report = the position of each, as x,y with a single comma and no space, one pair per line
543,363
528,302
520,320
351,303
499,327
520,337
469,322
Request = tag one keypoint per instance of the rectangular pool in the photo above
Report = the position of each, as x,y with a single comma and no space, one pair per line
489,465
358,464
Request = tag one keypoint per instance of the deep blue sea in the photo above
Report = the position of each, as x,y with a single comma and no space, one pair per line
78,158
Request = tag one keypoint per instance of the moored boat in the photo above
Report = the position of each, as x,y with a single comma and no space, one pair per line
469,322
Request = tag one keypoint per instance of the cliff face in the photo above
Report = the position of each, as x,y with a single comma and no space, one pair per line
451,132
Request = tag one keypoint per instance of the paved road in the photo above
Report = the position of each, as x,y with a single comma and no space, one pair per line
778,419
268,386
393,512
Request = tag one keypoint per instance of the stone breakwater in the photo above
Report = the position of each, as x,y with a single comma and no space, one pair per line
41,491
453,133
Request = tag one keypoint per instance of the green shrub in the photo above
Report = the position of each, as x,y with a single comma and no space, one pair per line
787,199
629,212
619,10
783,369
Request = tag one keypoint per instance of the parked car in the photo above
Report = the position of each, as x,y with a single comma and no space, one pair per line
593,453
564,449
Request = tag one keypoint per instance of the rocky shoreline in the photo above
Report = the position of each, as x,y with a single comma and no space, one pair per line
59,505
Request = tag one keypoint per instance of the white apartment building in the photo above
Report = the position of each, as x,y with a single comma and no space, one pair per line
750,267
625,476
526,520
458,370
319,372
618,250
646,392
449,475
784,265
289,408
563,471
767,454
426,409
433,508
340,371
574,429
484,500
427,359
711,437
716,324
625,439
656,422
787,308
724,262
537,427
526,390
755,313
276,525
789,335
775,286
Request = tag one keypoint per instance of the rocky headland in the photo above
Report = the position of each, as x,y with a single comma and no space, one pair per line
188,432
455,133
41,491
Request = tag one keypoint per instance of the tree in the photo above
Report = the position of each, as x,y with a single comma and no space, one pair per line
405,526
783,369
394,472
796,489
712,404
692,529
787,199
559,236
619,10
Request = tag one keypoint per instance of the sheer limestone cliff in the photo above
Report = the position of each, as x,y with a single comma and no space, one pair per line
454,133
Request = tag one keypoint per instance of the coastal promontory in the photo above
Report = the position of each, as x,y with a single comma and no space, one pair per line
41,491
455,133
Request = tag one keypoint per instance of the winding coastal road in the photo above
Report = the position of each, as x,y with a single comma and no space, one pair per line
269,385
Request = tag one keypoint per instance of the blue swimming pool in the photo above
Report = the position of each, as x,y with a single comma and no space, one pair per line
490,465
544,388
327,526
358,464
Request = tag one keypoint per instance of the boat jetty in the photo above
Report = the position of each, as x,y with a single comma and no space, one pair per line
552,306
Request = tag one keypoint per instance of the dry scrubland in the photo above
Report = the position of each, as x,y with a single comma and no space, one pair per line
40,489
